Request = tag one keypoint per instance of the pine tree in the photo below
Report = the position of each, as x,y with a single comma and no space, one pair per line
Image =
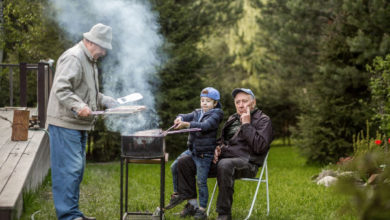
355,34
185,24
1,31
322,48
288,34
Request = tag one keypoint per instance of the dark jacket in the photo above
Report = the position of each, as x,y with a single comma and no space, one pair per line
251,141
203,141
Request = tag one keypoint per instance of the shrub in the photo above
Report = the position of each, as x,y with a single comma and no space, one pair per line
364,143
380,93
369,201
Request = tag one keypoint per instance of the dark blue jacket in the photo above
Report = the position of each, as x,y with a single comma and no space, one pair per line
203,141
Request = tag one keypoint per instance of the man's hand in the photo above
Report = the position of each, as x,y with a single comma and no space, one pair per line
112,103
84,112
182,124
217,152
246,117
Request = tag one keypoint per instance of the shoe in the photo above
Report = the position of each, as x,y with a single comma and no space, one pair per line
189,210
200,214
224,217
85,218
88,218
176,199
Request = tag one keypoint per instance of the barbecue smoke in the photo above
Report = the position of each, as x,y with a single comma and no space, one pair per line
132,64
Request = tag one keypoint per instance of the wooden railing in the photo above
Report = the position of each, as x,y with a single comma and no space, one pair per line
44,83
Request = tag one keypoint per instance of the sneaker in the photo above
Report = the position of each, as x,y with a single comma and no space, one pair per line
224,217
176,199
85,218
88,218
200,214
189,210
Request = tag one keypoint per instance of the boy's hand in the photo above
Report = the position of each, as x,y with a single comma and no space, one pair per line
246,117
176,122
217,152
182,125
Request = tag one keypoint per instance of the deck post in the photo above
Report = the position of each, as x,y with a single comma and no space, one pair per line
11,87
42,95
23,84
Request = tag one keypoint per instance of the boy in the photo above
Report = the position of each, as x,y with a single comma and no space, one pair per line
201,147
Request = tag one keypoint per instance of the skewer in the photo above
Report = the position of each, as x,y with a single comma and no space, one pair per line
183,130
166,131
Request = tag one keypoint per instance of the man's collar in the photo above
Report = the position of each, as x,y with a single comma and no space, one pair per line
254,110
86,51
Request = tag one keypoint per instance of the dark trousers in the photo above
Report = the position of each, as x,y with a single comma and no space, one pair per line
226,171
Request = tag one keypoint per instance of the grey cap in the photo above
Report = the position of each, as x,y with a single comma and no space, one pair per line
247,91
101,35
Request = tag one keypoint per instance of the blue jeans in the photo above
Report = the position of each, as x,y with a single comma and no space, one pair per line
202,172
174,168
202,164
67,158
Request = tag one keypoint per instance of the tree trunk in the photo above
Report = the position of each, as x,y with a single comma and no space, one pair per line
1,31
20,125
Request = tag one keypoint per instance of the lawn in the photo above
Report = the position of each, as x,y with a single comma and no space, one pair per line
292,193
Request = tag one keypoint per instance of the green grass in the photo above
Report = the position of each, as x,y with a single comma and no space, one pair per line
292,193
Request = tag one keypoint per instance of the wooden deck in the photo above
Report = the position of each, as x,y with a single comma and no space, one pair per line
23,165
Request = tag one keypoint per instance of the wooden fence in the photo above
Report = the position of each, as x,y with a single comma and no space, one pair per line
44,83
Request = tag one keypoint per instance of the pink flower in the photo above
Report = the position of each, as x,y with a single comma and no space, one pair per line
378,142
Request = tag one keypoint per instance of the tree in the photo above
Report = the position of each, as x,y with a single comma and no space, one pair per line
288,38
27,35
319,49
1,31
353,36
185,24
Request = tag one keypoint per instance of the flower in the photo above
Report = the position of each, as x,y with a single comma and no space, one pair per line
388,141
378,142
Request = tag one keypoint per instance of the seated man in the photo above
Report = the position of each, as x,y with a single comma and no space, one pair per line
243,145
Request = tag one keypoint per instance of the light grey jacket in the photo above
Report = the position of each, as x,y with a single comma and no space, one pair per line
75,85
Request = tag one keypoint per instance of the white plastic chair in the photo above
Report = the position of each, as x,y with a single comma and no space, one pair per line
259,180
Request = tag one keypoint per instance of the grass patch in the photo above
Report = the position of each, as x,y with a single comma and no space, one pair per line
292,193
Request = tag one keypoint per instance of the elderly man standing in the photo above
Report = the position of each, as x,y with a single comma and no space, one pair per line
74,95
244,143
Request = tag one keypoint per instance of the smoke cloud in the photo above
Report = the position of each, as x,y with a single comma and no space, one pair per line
132,64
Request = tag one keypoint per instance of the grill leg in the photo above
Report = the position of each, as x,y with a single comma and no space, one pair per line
121,190
162,187
126,185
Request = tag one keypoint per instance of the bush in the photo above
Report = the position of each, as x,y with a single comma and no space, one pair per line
363,143
371,156
380,92
369,201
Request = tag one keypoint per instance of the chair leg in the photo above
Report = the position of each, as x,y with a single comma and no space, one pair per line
211,199
266,183
257,190
259,180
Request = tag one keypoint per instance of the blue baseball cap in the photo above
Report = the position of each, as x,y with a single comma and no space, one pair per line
247,91
211,93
